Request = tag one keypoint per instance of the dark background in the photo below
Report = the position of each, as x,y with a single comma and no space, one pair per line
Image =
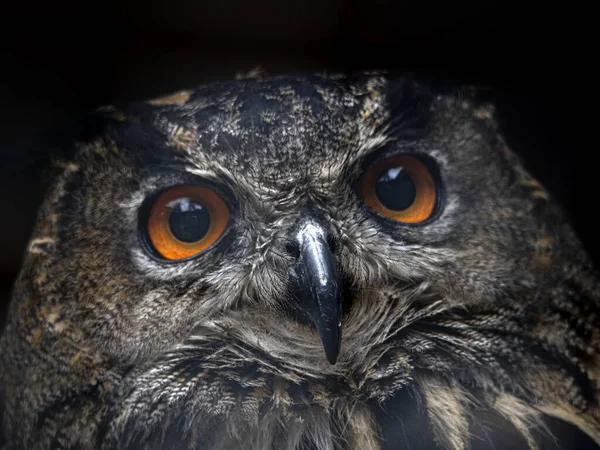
58,60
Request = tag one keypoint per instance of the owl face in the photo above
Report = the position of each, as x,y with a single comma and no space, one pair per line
290,212
299,230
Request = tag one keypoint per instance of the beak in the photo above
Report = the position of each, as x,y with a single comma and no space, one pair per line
318,287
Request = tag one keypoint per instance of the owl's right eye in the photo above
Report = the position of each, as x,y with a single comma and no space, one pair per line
186,220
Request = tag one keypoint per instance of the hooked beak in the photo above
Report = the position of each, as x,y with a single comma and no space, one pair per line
318,286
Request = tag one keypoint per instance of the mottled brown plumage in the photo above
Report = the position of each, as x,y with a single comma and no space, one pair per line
491,305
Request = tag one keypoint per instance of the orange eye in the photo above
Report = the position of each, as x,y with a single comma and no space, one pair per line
400,187
186,220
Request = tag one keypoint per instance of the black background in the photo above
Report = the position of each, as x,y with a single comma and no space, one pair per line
61,59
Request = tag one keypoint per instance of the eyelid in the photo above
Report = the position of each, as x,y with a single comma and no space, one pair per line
172,179
388,151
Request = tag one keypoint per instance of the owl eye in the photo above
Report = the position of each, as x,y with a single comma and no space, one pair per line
186,220
401,188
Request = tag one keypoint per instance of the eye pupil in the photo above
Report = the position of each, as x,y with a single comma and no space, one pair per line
189,220
395,189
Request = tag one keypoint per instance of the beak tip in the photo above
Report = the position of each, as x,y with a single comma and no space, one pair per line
332,358
331,345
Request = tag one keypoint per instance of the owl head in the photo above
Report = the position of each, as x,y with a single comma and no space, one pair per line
269,257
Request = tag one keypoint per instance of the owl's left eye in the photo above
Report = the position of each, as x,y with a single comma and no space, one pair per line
186,220
401,188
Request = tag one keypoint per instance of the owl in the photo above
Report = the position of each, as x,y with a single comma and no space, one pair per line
304,261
